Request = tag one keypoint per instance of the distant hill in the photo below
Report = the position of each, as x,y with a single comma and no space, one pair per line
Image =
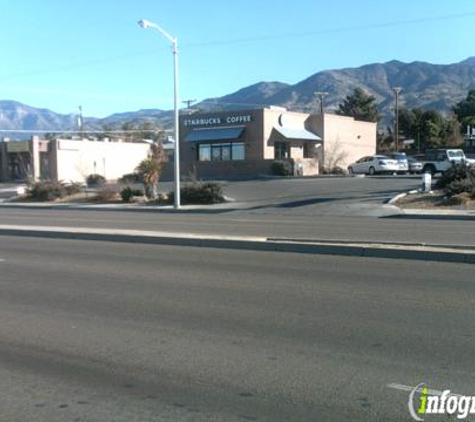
423,85
17,116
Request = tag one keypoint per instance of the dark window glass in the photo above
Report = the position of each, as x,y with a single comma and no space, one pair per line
237,151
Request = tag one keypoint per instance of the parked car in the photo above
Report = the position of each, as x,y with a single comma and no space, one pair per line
373,165
402,162
440,160
415,166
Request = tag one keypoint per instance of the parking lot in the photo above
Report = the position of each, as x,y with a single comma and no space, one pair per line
356,196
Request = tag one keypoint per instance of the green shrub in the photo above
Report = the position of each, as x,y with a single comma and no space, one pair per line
49,190
335,170
95,180
128,193
281,168
199,193
458,179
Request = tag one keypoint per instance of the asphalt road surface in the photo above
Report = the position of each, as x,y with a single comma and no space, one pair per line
243,223
98,331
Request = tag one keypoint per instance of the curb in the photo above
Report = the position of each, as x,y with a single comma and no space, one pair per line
205,209
370,250
429,214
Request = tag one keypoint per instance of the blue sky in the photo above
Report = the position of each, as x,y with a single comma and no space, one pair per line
59,54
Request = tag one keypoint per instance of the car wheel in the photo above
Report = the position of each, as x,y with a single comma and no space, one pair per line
372,171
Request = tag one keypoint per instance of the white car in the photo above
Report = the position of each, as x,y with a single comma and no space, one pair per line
373,165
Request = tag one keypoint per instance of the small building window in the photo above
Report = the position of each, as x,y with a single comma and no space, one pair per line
308,150
237,151
281,150
204,152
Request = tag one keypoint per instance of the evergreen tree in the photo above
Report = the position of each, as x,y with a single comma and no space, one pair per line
359,105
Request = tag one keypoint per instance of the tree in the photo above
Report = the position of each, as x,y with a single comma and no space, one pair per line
433,127
428,128
465,110
150,169
452,136
359,105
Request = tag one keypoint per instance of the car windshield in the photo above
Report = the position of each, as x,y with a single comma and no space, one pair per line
456,154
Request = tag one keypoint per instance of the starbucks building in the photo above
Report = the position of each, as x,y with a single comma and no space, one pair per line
246,143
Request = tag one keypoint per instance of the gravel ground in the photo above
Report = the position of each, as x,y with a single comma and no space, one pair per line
436,200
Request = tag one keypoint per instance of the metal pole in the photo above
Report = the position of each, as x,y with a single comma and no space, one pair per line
396,122
147,24
177,122
321,96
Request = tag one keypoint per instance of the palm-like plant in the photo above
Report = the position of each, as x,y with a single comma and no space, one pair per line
150,169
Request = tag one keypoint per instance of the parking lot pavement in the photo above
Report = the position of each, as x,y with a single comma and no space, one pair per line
350,196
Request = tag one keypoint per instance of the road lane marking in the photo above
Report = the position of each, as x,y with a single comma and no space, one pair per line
408,388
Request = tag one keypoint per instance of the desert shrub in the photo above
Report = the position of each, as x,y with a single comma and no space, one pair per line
458,179
50,190
72,188
95,180
107,194
128,193
199,193
281,168
131,178
335,170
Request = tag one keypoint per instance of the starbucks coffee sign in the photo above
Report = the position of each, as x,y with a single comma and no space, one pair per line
216,121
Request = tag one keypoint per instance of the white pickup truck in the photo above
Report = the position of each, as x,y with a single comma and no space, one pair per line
440,160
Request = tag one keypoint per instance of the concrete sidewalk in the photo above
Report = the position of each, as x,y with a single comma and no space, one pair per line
311,246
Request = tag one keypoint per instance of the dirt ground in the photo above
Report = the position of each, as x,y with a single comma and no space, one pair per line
436,200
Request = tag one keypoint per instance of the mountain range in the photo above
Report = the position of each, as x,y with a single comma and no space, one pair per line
422,85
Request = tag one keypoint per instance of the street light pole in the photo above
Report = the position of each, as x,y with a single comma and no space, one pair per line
147,24
396,91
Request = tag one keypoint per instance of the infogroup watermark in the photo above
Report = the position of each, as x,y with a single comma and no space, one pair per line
423,401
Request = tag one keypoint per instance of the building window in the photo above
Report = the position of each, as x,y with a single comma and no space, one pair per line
308,150
204,152
221,152
281,150
237,151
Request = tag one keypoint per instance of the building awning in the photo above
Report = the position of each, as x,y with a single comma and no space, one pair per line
297,134
215,134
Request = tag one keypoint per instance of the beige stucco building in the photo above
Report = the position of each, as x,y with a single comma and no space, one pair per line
68,160
246,143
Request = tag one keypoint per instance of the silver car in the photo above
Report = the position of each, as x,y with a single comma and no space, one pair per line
402,162
374,164
415,166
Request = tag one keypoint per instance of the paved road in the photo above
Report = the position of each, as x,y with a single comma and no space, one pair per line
256,224
110,332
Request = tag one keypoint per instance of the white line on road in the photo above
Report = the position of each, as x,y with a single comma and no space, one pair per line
408,388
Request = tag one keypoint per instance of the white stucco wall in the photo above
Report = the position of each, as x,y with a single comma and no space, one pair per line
76,159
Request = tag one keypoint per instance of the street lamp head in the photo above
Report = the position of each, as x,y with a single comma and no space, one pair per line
143,23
